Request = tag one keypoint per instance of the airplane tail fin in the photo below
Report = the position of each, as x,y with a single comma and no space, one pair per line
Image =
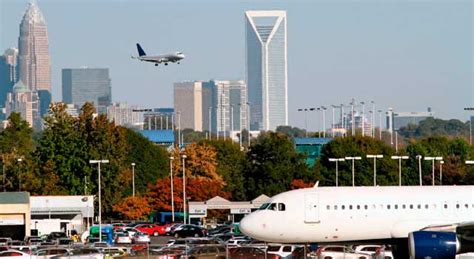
140,50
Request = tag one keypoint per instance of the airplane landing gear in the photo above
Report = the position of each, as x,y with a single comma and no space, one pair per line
156,64
166,64
178,63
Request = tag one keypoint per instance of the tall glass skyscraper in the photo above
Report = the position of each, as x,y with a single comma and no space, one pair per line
267,69
82,85
8,73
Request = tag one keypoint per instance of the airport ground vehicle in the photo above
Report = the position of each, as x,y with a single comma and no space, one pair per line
107,234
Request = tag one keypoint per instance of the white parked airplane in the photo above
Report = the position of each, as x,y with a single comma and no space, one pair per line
418,221
165,59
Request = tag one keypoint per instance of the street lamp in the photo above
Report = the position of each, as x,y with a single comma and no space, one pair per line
441,172
98,162
323,109
380,124
133,179
375,166
172,188
337,160
19,174
419,157
362,118
400,167
184,189
305,120
353,173
433,166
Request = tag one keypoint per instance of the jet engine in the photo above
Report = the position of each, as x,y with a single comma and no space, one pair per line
433,245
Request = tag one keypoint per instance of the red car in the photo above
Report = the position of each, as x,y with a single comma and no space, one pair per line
151,229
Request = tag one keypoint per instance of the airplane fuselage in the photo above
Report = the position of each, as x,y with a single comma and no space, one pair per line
342,214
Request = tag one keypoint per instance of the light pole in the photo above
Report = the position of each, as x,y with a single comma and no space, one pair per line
380,124
337,160
19,173
184,189
419,157
133,179
441,172
433,166
373,119
353,158
362,118
333,118
172,188
400,167
178,113
98,162
323,109
352,117
375,166
470,124
305,120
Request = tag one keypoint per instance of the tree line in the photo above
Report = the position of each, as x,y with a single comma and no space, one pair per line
56,162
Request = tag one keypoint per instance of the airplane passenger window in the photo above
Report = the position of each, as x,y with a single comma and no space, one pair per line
366,207
388,206
396,206
419,206
457,206
426,206
335,207
281,207
466,205
350,207
358,207
445,206
404,206
328,207
411,206
343,207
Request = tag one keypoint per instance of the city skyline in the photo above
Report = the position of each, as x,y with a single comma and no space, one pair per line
419,52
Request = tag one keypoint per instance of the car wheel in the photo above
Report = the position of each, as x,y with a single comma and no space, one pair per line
176,235
196,235
156,233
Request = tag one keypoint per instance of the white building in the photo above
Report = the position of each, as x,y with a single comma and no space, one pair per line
267,68
123,115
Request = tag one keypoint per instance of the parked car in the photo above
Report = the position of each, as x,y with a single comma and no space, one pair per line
86,253
49,252
189,231
168,252
122,238
141,237
238,240
14,253
53,236
152,229
130,231
282,250
339,252
204,251
170,228
245,252
220,230
4,241
118,226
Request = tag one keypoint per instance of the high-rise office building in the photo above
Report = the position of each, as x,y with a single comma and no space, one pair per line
397,120
34,63
229,106
81,85
267,68
188,105
8,73
123,114
25,102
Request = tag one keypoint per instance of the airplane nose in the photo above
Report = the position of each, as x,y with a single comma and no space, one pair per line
248,225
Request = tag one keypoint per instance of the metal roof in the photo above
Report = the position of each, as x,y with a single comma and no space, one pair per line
14,198
311,141
158,136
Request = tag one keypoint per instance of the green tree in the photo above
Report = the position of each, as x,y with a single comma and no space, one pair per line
273,164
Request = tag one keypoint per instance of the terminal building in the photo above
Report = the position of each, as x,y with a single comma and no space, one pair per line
14,215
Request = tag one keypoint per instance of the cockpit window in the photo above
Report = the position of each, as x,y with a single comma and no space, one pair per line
264,206
281,207
273,206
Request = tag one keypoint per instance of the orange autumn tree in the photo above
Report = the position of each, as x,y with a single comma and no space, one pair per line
200,162
197,189
134,208
299,184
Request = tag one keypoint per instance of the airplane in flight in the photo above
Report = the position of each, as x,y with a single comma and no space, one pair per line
165,59
418,221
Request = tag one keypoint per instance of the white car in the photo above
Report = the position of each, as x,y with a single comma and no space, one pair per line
338,252
49,253
236,241
141,237
81,253
282,250
130,231
123,238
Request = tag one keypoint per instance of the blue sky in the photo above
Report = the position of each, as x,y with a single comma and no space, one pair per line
408,55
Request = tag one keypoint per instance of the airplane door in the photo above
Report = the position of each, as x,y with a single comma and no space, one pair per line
311,203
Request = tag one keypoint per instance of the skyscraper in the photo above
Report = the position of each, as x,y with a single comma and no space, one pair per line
24,101
8,73
267,68
34,63
81,85
188,105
